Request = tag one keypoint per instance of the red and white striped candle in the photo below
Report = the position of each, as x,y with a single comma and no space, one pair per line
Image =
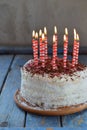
43,51
77,50
33,38
46,44
56,38
40,43
65,51
33,43
36,49
54,53
74,50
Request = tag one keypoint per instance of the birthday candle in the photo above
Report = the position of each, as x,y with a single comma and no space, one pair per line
54,52
43,51
77,50
40,43
36,49
33,43
65,51
33,37
74,49
46,44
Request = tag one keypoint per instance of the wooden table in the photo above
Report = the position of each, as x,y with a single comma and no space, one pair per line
12,116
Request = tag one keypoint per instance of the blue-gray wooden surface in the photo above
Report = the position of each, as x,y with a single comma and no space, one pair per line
12,116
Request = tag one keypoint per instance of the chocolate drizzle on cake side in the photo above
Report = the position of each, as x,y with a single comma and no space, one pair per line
31,67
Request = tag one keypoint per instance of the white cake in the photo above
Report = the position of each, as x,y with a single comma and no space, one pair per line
50,89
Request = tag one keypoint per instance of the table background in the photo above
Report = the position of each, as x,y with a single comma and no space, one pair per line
12,116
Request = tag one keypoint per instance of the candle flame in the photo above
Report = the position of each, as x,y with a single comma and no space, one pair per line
45,31
77,37
74,34
36,35
54,38
33,33
64,38
40,32
55,29
66,31
43,37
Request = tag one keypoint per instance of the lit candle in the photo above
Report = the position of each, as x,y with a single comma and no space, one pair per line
43,51
36,49
33,43
33,36
77,50
65,51
56,38
40,43
74,49
46,48
54,53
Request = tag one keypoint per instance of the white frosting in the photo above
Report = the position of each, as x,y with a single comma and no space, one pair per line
54,92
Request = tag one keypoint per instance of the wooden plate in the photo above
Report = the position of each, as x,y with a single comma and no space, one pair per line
48,112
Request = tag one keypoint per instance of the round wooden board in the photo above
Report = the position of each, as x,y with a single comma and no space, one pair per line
48,112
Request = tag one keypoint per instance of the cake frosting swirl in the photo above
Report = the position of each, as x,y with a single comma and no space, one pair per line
48,88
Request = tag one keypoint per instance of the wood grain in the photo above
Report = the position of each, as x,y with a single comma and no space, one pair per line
42,121
5,62
9,112
36,128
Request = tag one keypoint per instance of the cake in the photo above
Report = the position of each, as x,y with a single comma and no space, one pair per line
51,82
50,89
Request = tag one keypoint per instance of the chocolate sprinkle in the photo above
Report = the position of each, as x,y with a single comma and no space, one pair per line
31,67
